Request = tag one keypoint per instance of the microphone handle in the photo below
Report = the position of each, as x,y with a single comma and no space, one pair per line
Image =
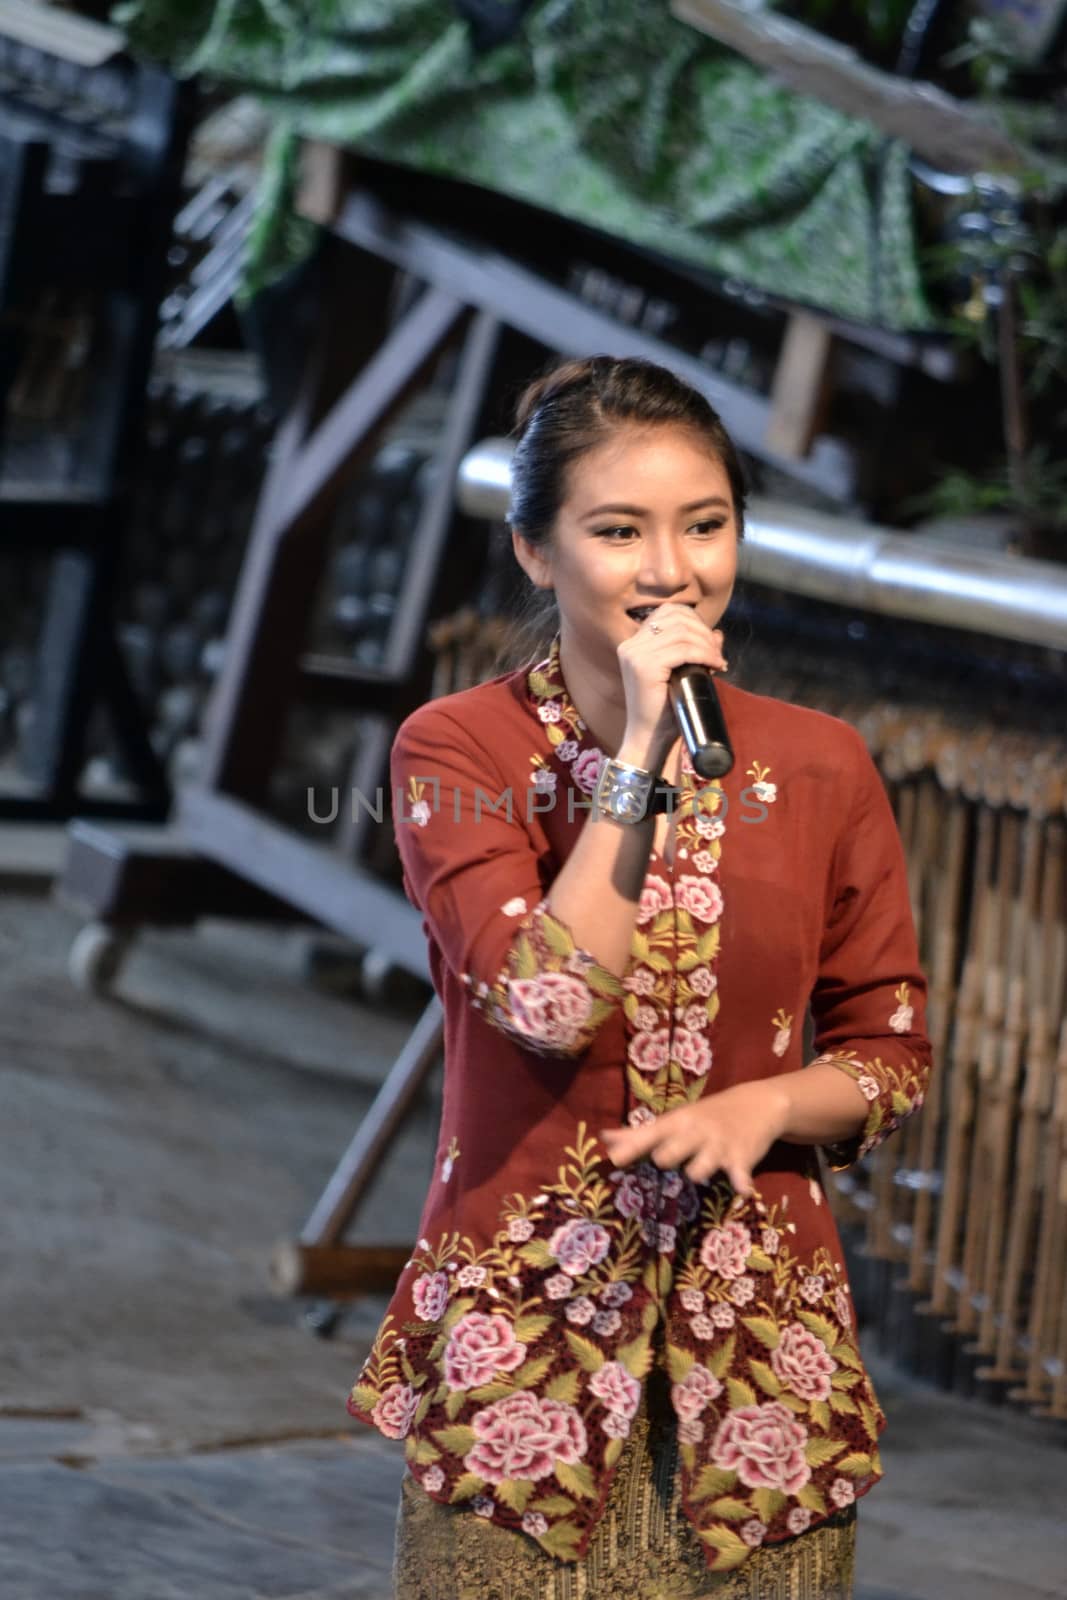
700,719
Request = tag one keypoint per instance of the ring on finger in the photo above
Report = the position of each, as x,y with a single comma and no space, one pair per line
654,626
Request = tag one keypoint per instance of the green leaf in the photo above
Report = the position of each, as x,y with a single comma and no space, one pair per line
766,1377
821,1327
466,1486
424,1453
843,1379
679,1362
631,1005
577,1480
793,1401
848,1356
422,1408
820,1414
457,1440
740,1392
523,959
364,1396
639,946
590,1358
767,1502
529,1328
563,1387
603,982
765,1329
842,1404
486,1393
531,1372
612,1452
729,1509
650,1316
732,1550
817,1452
870,1420
514,1492
759,1261
454,1403
457,1309
713,1481
553,1505
809,1496
636,1356
856,1464
556,937
721,1359
536,1253
561,1540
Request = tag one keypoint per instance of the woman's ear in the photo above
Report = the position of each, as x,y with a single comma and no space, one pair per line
533,559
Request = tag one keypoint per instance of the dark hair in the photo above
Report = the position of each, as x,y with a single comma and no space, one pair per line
578,406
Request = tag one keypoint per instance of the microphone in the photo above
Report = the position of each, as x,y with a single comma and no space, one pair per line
696,707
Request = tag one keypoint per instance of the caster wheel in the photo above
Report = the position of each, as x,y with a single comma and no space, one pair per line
323,1319
96,957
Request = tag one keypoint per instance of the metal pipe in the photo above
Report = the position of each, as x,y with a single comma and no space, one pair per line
852,563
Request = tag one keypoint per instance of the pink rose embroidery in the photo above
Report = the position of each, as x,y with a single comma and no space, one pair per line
480,1346
813,1286
642,981
550,711
867,1086
522,1436
900,1021
803,1363
692,1053
615,1425
395,1411
586,769
725,1250
649,1052
695,1017
692,1299
704,861
534,1522
482,1505
710,827
798,1519
764,1444
841,1306
655,897
702,1326
842,1492
559,1286
543,781
694,1394
420,812
769,1239
551,1009
690,1430
430,1294
615,1294
702,900
752,1532
742,1291
619,1391
567,750
703,981
645,1018
520,1229
579,1245
433,1479
470,1277
781,1041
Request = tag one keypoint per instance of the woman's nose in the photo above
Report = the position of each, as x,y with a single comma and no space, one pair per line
665,566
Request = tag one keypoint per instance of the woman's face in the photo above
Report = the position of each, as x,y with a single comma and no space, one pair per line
648,517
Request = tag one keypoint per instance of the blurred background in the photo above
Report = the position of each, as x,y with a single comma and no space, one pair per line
271,277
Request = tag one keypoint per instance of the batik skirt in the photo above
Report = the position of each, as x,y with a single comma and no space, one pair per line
643,1548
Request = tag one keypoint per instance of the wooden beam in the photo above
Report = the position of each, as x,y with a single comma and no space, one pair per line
948,133
801,387
533,305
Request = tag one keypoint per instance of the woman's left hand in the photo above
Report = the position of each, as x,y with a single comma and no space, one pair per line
726,1132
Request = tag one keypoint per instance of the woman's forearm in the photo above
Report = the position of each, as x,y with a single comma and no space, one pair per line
597,892
818,1105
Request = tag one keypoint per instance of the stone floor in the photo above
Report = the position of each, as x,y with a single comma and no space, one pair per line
171,1431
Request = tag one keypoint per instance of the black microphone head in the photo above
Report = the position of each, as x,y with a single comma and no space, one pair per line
712,760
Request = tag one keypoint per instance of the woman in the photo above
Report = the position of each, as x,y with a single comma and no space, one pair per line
623,1356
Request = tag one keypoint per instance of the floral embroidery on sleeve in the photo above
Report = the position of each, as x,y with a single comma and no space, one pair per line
893,1091
551,996
767,792
451,1157
783,1024
900,1021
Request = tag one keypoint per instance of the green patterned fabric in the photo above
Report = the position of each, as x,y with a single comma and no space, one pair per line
606,111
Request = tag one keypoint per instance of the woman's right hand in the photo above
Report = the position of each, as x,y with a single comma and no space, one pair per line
647,660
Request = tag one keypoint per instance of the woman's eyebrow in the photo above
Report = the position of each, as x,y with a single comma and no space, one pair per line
641,511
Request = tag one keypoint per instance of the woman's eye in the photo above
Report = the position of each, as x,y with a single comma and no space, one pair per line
706,529
617,535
